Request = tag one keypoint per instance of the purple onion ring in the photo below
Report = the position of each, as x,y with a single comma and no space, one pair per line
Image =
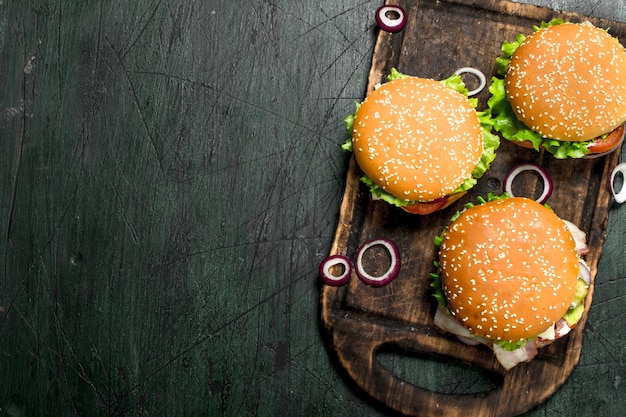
328,277
585,273
529,166
476,73
390,274
620,197
391,18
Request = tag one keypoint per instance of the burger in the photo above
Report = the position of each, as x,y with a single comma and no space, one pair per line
510,276
420,143
562,88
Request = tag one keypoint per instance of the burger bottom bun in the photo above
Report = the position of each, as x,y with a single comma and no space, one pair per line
433,206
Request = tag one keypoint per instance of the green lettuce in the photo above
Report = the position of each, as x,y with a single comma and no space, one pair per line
508,48
394,74
491,142
437,287
511,346
576,309
573,315
378,193
504,120
349,121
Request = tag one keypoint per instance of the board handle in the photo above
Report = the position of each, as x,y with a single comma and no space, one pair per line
358,355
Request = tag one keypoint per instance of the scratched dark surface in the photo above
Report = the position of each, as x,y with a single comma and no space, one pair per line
170,179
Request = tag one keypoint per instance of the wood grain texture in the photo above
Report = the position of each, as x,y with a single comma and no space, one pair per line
170,179
361,320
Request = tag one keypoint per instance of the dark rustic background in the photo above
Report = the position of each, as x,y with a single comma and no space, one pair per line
170,179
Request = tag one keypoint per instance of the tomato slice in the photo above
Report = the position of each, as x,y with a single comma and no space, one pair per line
598,146
434,205
614,138
524,144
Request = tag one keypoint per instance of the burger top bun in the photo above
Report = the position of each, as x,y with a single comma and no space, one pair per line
509,268
568,82
417,139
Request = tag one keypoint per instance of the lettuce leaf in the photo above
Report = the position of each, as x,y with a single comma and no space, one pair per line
491,142
394,74
437,288
508,48
573,315
349,121
505,121
511,346
575,311
378,193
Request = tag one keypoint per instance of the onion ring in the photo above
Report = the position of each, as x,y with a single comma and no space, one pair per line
394,22
585,273
330,279
478,74
529,166
390,274
621,196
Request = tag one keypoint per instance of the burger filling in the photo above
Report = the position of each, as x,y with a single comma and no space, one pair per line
491,142
511,353
506,123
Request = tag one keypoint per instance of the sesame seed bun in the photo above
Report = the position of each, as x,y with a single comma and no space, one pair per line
509,269
417,139
568,82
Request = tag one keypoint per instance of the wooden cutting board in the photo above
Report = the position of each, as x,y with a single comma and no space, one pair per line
359,320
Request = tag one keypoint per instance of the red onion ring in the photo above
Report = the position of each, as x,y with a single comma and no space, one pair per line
328,277
561,328
621,196
390,274
529,166
478,74
391,18
584,273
